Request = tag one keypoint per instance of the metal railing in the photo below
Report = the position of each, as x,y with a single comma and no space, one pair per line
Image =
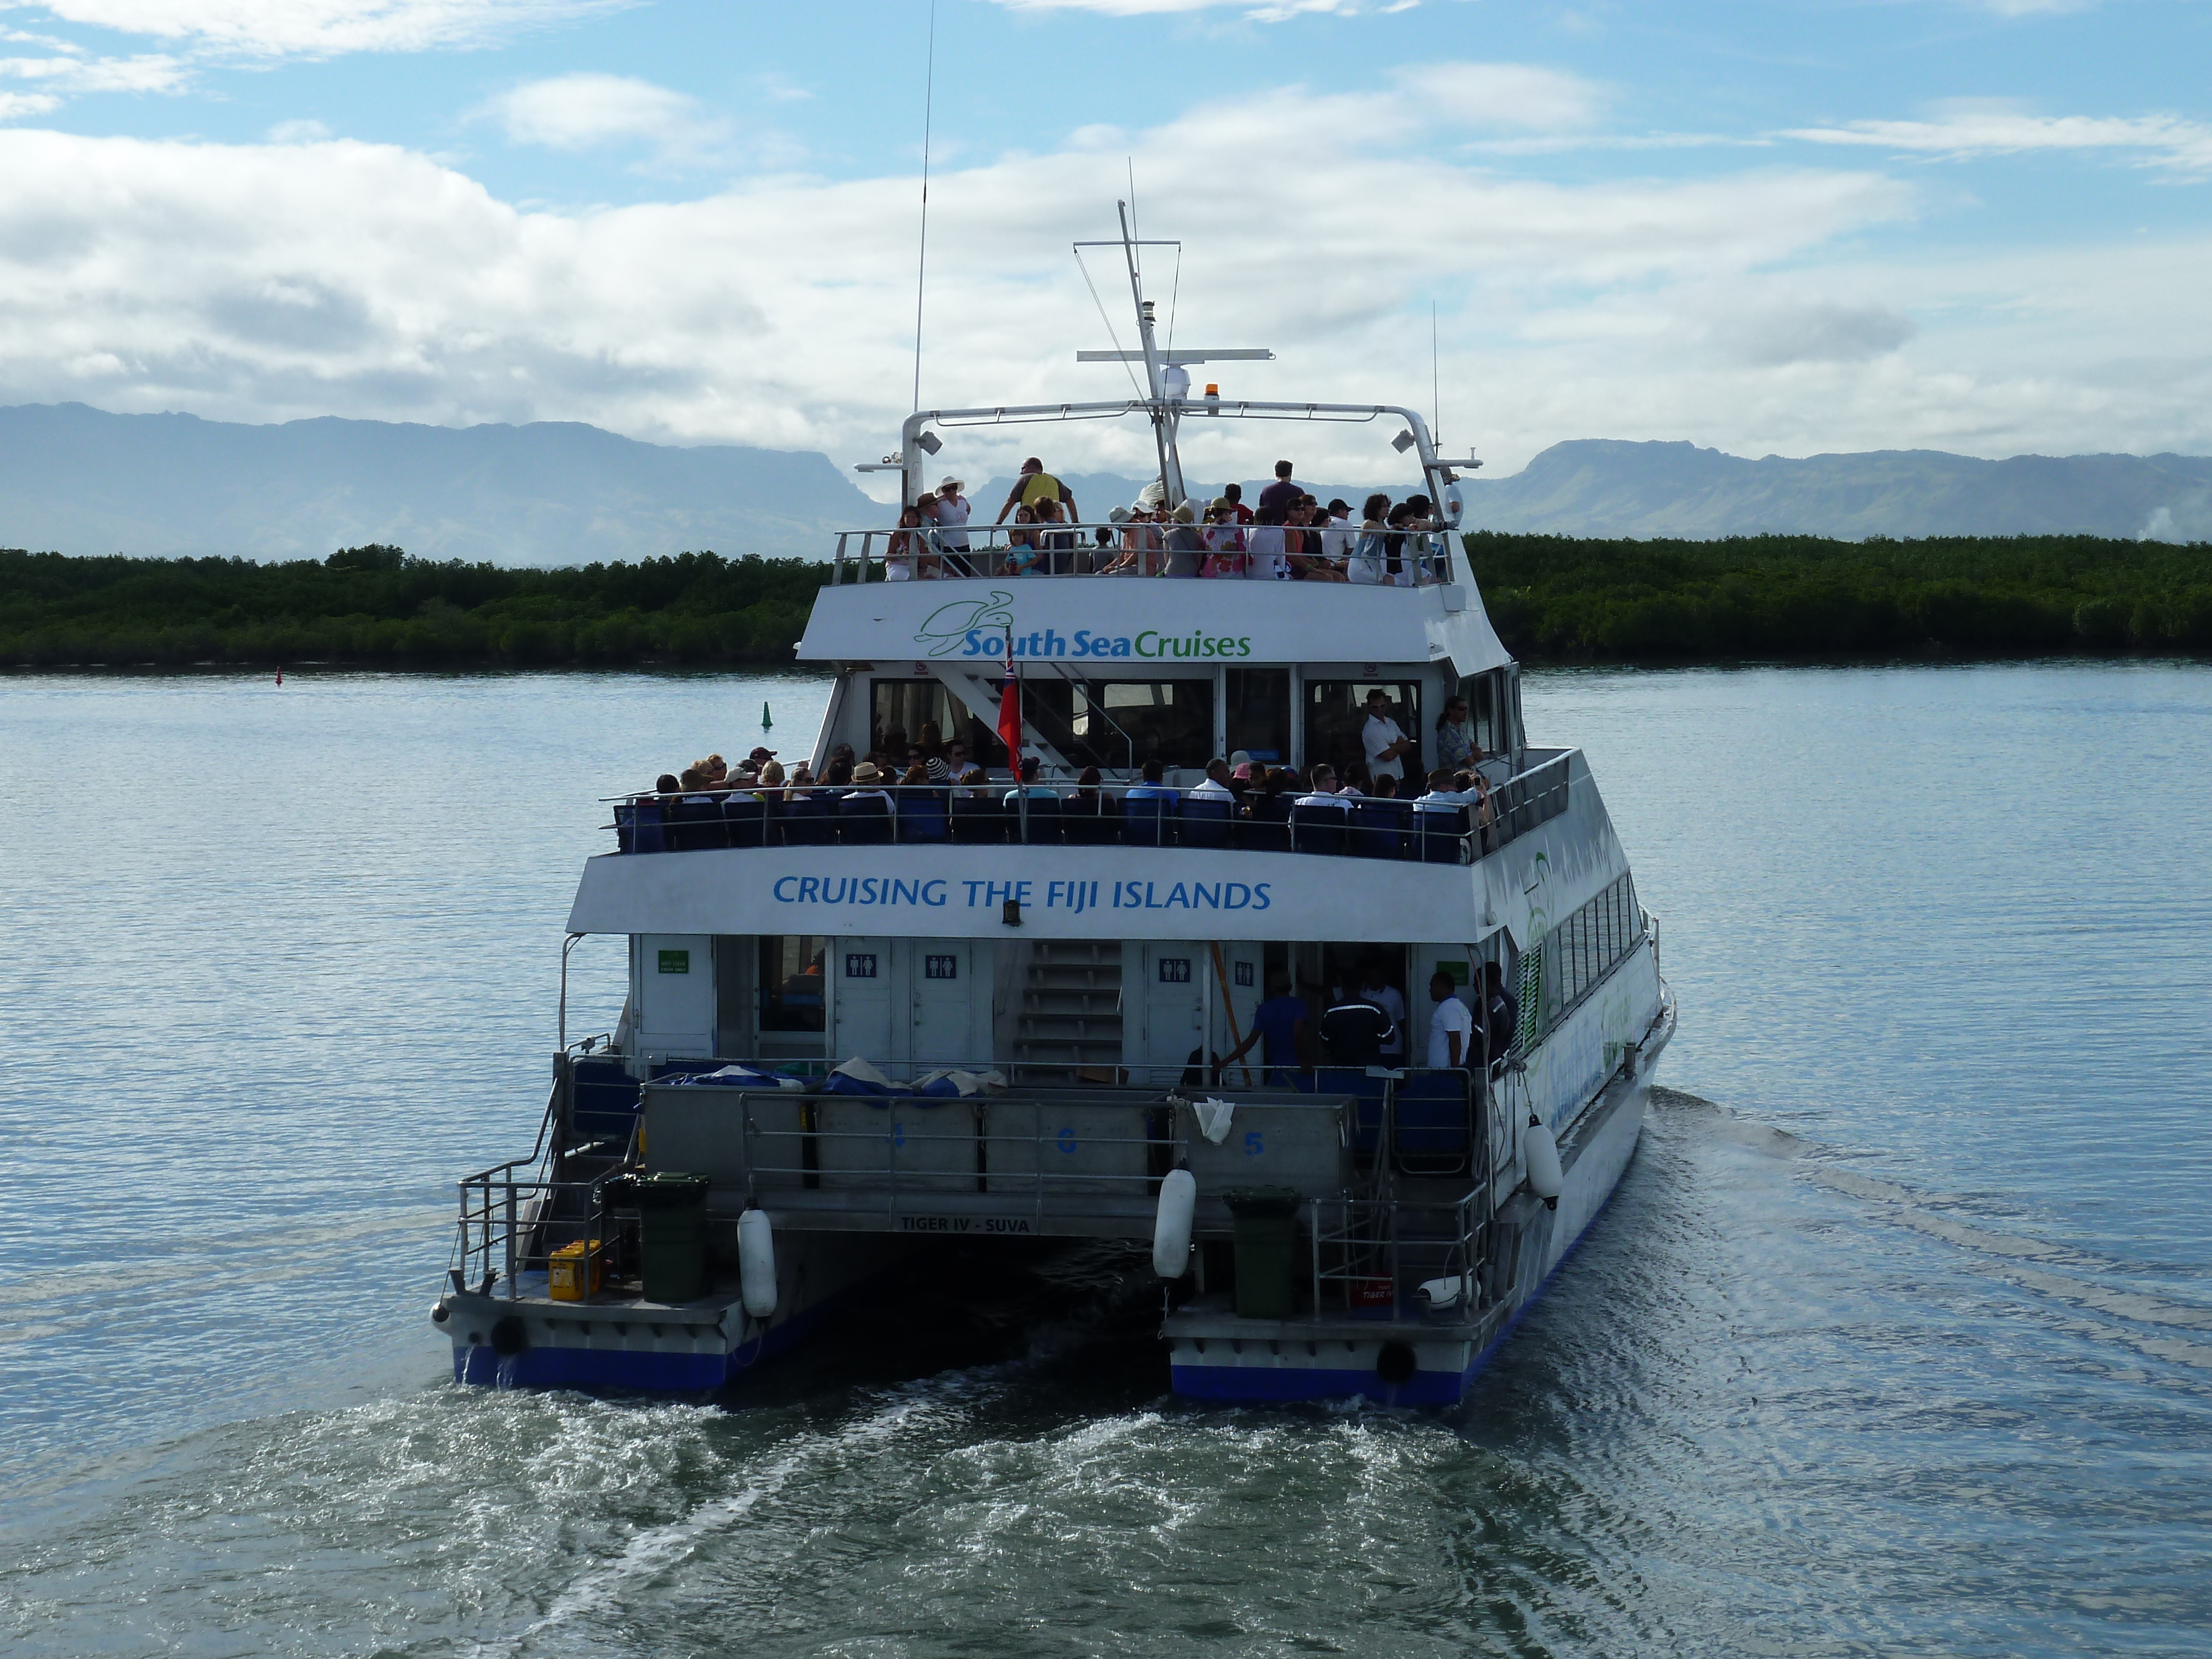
1370,1245
510,1224
1365,1260
1108,814
1391,558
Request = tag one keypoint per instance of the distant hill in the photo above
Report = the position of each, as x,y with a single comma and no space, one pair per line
1606,488
1676,490
77,480
1600,487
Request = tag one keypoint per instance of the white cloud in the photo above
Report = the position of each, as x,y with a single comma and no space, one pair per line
21,105
584,111
151,73
2157,141
265,282
1505,95
298,132
1265,11
324,28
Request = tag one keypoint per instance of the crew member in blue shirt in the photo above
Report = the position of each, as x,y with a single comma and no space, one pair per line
1282,1024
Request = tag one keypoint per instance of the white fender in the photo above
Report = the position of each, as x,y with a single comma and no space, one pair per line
756,1263
1171,1228
1541,1153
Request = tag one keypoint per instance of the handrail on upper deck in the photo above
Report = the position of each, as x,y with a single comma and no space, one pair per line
1112,813
1392,558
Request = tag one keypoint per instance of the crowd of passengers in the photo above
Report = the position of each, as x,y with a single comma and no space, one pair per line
1253,792
1289,537
1363,1023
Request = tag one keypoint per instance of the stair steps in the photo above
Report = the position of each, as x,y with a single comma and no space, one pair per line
1071,1010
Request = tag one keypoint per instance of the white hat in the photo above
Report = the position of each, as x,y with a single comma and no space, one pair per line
950,481
1152,497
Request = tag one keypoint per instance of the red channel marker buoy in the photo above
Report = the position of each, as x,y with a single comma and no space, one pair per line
280,677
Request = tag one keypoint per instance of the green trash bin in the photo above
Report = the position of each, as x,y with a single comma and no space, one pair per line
1266,1250
671,1216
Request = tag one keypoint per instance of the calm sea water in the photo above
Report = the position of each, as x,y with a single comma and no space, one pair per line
1899,1339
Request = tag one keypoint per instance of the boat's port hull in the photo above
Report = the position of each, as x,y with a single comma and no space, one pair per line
532,1341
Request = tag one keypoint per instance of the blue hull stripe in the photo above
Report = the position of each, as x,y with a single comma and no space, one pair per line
642,1369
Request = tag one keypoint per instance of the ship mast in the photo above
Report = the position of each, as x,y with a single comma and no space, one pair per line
1167,386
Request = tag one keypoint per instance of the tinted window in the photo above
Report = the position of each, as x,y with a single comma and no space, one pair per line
1336,712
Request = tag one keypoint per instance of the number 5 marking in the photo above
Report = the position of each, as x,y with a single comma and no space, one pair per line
1253,1145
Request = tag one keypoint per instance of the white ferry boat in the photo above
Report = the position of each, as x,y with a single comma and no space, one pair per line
868,1017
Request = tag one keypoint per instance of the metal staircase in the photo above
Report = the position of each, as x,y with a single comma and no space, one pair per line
1071,1011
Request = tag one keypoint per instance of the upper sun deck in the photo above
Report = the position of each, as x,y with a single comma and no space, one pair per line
1142,592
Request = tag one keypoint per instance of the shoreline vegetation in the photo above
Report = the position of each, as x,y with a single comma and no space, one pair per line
1555,599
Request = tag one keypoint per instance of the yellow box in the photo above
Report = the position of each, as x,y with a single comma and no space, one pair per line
575,1273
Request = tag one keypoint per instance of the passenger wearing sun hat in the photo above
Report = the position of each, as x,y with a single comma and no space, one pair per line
1185,545
867,780
952,510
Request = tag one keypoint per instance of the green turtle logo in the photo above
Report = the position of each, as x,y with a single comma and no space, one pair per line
948,625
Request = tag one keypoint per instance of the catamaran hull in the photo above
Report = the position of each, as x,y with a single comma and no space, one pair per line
1225,1359
531,1341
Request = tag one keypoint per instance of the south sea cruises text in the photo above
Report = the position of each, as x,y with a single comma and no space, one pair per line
1047,642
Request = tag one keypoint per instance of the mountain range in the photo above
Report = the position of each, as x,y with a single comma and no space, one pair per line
1608,488
78,480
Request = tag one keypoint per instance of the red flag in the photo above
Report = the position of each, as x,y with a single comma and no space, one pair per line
1010,712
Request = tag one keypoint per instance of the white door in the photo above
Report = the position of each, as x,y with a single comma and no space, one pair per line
942,995
861,1000
1172,994
672,991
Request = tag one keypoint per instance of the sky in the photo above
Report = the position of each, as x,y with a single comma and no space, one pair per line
1792,228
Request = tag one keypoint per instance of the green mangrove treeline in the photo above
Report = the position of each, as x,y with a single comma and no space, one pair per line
379,605
1554,598
1569,598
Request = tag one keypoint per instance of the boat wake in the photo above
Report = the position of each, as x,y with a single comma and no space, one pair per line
2081,1279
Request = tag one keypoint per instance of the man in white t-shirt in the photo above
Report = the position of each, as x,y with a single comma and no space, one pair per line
1384,739
1451,1024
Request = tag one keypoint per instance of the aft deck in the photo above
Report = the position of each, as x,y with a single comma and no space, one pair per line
1394,1170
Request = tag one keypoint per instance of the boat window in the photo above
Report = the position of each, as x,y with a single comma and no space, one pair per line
1336,713
908,714
1260,713
1576,955
1123,723
791,998
1481,692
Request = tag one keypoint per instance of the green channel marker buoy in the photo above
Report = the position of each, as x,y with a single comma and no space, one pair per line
765,722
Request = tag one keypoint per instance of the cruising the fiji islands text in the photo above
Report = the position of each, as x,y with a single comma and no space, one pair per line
1274,948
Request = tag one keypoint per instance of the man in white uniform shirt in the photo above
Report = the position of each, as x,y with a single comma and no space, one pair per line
1216,787
1384,739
